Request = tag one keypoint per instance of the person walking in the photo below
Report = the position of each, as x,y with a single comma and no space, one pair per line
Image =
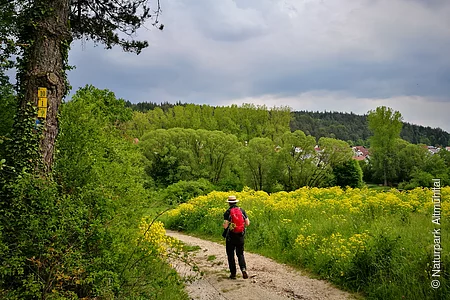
235,221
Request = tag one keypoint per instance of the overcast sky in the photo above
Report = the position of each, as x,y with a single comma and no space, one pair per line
333,55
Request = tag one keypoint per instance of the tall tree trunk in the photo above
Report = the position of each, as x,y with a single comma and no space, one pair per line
47,38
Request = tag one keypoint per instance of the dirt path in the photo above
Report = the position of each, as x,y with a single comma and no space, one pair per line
267,280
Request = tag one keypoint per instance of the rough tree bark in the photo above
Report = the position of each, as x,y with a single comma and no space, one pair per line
44,65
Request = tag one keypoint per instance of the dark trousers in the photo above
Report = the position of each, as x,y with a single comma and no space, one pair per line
238,246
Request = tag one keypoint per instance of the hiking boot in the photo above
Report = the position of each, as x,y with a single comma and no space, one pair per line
244,274
233,276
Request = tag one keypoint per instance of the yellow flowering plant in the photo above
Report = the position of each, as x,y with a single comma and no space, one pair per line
353,237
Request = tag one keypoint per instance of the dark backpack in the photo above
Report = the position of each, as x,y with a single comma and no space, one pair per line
237,218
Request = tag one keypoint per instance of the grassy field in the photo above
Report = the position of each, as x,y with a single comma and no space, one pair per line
377,243
377,187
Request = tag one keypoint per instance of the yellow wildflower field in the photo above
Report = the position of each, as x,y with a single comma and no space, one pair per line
380,243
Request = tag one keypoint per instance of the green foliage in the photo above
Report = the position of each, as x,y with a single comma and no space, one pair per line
102,104
437,167
417,166
146,106
367,170
245,122
343,126
377,243
445,155
61,246
386,125
259,159
348,173
55,245
186,154
367,264
298,154
7,29
410,157
331,154
418,178
416,134
38,35
181,142
101,21
89,139
351,127
22,150
303,164
182,191
8,108
77,237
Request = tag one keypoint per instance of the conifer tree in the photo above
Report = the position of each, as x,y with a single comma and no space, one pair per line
40,33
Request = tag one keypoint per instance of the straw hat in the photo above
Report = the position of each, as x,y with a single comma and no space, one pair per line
232,199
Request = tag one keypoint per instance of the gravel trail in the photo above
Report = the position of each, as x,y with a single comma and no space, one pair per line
206,273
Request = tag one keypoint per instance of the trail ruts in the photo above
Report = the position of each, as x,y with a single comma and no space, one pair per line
267,280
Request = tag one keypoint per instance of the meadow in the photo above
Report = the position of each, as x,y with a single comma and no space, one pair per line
379,244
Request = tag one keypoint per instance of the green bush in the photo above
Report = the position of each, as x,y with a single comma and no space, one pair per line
349,174
44,241
8,106
75,234
182,191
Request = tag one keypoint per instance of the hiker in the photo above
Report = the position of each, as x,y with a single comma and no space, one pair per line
235,221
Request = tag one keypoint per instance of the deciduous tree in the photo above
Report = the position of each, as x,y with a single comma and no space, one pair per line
297,154
386,125
258,158
331,153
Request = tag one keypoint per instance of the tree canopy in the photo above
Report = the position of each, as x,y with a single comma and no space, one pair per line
354,128
386,126
39,33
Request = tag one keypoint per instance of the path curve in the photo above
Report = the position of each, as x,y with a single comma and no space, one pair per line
268,280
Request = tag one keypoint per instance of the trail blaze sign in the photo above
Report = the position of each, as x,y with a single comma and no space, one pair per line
42,102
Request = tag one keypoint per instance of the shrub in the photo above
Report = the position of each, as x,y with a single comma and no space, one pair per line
75,234
182,191
349,174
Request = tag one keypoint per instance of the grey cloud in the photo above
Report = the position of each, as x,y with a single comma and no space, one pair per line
226,20
212,51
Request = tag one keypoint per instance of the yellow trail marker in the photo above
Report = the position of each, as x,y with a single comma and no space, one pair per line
42,92
42,113
42,102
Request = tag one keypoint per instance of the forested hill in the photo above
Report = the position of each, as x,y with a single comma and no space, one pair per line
352,127
146,106
343,126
